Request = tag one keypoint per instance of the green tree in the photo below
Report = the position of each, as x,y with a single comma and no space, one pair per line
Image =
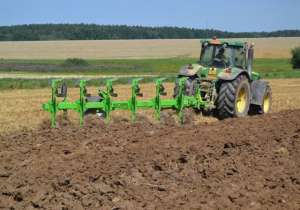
295,60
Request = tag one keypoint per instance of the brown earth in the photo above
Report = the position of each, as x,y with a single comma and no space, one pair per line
250,163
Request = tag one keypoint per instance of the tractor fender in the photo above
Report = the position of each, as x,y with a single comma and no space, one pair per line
258,88
231,76
185,71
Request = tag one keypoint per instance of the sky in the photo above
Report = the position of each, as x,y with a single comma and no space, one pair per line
229,15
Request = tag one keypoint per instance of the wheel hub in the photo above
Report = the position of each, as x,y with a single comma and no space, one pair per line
241,101
266,105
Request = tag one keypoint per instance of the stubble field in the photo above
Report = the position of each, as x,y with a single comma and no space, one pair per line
126,49
21,109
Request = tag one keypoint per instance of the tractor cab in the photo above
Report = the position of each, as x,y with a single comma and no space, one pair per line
224,54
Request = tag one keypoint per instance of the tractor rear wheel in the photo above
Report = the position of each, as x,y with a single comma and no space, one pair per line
233,98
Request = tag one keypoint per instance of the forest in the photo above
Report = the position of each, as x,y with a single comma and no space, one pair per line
39,32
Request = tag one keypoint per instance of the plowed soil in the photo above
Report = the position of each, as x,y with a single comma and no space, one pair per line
250,163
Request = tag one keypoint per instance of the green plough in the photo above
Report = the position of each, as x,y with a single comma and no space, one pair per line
104,104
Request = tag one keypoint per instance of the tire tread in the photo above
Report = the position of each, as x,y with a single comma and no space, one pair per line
225,102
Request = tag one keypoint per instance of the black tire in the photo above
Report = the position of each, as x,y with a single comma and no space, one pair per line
63,90
228,98
263,109
190,87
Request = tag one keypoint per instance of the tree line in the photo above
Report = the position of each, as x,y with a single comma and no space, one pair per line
35,32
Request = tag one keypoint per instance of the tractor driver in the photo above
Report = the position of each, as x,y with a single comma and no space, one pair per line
220,58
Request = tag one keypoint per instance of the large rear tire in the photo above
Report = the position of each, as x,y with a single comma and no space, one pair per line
233,98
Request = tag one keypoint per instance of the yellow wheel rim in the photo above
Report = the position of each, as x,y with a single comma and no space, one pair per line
241,101
266,105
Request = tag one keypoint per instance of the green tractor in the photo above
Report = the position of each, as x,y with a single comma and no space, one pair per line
226,80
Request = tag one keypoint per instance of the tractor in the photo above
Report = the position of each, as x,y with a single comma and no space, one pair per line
226,80
222,83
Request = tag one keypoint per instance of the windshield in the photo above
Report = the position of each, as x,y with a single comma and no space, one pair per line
220,56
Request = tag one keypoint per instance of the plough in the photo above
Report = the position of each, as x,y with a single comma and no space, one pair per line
104,104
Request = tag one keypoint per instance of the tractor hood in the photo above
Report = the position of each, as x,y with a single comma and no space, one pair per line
210,73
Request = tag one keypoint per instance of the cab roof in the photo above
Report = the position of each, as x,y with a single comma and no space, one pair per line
216,41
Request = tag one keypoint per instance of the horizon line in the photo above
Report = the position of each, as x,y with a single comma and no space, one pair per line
149,26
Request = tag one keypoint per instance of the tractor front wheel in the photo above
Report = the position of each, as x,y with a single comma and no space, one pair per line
266,105
233,98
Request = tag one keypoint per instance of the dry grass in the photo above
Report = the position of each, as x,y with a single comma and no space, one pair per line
113,49
21,109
